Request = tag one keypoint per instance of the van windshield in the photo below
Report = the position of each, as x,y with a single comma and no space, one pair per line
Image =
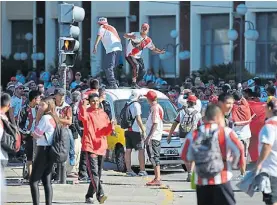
170,112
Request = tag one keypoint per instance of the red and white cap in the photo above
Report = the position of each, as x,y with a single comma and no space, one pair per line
102,20
192,98
151,95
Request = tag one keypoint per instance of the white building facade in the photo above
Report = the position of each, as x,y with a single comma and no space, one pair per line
19,18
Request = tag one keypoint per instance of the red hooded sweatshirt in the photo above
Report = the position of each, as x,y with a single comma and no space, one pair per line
97,126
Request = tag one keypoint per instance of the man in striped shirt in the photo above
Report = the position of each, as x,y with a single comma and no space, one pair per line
216,190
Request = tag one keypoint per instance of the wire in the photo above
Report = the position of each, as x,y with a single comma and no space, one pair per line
210,6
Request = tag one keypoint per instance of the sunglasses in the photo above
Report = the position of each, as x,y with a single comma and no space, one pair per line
20,88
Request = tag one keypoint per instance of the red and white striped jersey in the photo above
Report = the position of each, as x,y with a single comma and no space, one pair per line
143,43
228,142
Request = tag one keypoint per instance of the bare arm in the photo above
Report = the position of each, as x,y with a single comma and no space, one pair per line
153,128
97,40
158,51
264,154
129,35
173,127
139,121
11,115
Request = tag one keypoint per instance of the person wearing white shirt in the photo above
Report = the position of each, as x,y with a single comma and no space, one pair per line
43,165
267,161
112,44
134,136
137,42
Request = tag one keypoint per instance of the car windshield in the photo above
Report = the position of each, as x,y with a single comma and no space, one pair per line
170,112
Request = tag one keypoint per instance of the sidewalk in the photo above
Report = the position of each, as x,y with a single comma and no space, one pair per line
118,188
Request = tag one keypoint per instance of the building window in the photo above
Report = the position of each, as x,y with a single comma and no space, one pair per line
214,40
160,28
19,43
266,45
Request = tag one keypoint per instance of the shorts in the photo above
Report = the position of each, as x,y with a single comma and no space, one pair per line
271,198
215,194
133,140
153,151
29,145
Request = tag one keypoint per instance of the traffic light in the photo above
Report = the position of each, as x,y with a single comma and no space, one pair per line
68,45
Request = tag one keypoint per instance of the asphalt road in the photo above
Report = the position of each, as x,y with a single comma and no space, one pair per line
122,190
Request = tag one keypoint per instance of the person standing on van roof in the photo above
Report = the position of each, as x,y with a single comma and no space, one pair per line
112,44
137,42
134,136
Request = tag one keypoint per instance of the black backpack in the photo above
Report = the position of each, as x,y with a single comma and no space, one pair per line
60,147
125,119
11,139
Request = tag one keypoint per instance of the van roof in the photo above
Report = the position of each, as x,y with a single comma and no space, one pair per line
125,93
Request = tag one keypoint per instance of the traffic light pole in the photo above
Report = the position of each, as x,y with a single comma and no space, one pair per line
64,77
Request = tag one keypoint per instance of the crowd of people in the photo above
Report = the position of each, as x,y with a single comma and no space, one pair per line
214,124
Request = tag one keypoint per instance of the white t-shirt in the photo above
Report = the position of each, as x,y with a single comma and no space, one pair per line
243,132
135,109
16,104
45,129
268,135
110,38
144,43
156,116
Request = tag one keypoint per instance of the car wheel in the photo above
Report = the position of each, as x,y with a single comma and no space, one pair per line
120,159
184,167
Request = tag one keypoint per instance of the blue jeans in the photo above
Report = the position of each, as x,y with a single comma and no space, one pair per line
72,146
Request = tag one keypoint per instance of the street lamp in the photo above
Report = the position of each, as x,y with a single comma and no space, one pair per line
183,55
251,34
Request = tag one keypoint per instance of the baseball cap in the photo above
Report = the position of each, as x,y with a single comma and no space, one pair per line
102,20
250,82
18,85
135,95
151,95
60,91
192,98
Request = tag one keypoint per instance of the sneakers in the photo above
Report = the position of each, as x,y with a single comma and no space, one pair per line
154,182
102,199
189,177
135,86
89,200
142,173
131,174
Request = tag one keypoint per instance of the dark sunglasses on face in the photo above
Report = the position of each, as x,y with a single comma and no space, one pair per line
77,75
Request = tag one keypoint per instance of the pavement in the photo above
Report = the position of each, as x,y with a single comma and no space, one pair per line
120,189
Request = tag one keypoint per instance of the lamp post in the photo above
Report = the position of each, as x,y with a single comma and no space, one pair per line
183,55
251,34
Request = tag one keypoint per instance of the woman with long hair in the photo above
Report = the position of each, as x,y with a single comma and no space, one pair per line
42,167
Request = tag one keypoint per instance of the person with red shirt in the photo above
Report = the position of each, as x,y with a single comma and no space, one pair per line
137,42
97,126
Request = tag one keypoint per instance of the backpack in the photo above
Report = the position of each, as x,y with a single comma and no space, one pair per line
207,154
188,123
125,118
11,138
60,147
